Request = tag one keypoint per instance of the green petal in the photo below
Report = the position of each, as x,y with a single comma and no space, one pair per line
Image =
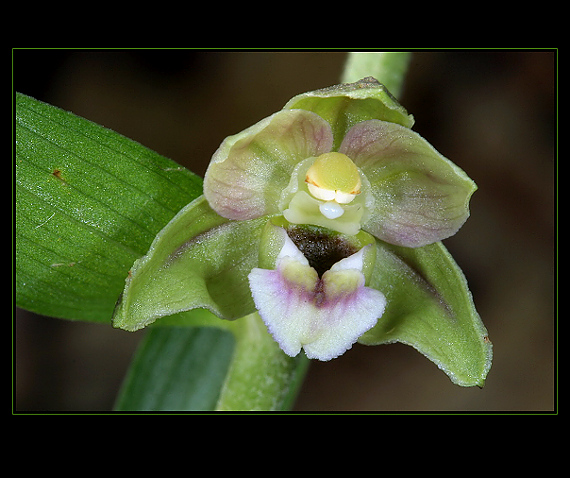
193,263
420,196
430,308
347,104
249,170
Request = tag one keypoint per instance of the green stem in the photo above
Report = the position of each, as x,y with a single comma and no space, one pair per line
388,68
261,376
212,365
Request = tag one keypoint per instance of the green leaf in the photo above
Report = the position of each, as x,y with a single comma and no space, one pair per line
430,308
194,262
89,202
345,105
177,368
238,367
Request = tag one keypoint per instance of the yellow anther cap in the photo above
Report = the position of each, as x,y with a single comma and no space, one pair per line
334,172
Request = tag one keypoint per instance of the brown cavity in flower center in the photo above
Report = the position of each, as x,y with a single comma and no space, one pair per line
321,247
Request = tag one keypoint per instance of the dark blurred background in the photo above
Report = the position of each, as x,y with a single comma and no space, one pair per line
491,112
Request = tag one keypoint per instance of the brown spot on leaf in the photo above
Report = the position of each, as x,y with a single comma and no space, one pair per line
57,174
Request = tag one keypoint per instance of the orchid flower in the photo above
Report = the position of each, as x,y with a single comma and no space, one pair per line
325,219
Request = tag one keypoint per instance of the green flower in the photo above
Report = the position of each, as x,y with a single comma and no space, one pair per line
323,217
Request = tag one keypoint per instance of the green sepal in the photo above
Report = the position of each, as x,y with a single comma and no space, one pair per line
193,262
347,104
430,308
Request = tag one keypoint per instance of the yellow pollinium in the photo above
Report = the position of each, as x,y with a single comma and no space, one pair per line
333,176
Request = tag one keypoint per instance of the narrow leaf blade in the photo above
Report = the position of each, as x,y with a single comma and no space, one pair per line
177,368
88,204
211,364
